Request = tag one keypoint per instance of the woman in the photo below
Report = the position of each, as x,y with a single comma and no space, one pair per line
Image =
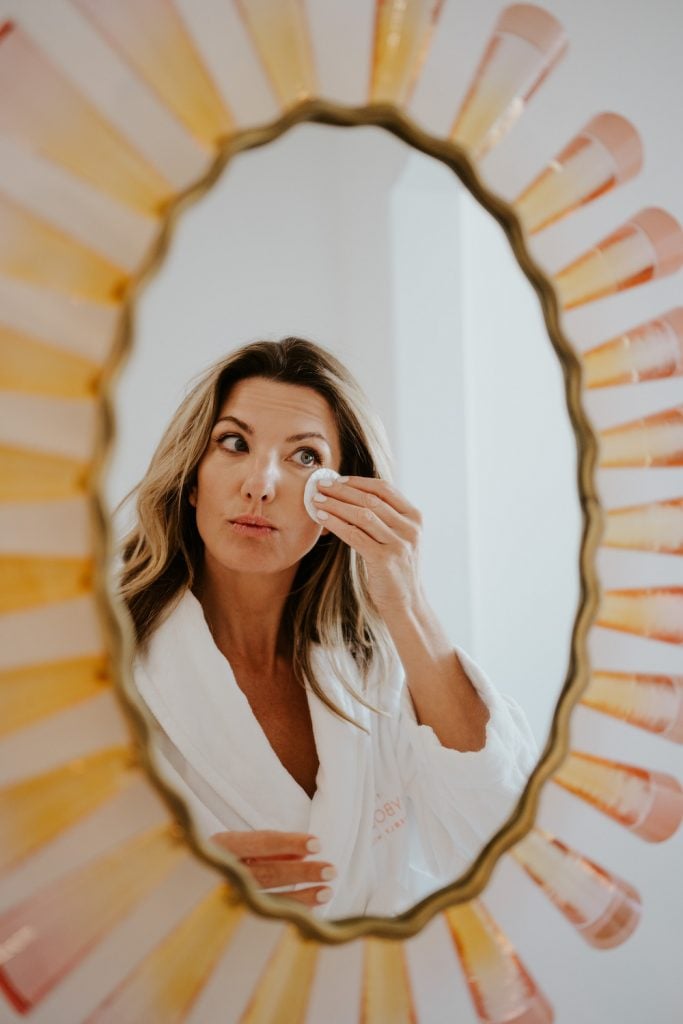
305,698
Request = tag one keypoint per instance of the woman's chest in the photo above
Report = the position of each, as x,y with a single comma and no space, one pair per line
282,711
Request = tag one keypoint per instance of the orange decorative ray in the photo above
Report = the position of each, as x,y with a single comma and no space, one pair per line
279,32
648,803
604,154
387,995
284,989
651,702
501,988
34,811
526,44
655,612
34,476
42,110
648,352
33,366
153,38
649,245
166,983
48,934
654,527
651,441
604,909
33,692
403,32
26,582
35,251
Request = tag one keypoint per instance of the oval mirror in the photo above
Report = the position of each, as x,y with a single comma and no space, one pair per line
376,252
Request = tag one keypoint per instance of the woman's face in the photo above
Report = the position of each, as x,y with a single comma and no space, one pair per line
268,439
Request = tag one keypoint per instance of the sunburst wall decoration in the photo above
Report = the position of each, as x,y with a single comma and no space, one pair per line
108,910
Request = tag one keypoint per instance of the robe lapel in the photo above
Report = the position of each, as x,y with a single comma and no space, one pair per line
342,806
191,690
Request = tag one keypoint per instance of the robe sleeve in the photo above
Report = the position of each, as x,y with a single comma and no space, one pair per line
459,799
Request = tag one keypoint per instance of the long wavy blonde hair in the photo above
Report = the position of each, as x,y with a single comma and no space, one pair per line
329,602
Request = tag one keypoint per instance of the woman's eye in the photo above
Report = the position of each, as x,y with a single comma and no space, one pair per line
231,442
309,457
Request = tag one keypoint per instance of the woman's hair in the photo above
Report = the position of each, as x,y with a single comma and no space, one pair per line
329,602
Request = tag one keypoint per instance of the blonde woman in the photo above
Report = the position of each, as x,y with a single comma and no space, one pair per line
307,703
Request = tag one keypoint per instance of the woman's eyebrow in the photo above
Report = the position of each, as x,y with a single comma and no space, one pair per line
288,440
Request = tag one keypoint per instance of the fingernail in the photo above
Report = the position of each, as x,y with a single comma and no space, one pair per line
319,497
322,515
313,845
327,874
342,479
324,896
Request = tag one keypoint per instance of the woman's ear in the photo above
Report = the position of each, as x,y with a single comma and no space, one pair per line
192,496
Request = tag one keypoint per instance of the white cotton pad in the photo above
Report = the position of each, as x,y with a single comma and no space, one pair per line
325,476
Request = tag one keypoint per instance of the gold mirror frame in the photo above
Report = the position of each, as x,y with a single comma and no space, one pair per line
385,963
521,819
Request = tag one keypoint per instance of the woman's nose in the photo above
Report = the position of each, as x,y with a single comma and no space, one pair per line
259,484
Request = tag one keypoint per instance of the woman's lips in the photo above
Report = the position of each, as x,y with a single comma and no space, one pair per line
249,530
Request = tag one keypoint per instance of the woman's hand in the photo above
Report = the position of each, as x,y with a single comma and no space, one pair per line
277,858
375,520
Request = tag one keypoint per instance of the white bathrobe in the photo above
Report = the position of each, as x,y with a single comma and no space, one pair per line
398,814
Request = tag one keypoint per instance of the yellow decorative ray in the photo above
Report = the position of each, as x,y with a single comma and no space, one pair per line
284,988
165,984
27,364
65,919
153,38
386,989
27,581
279,32
403,31
36,691
35,251
42,110
32,476
37,809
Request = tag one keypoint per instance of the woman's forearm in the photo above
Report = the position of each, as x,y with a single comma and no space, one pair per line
442,694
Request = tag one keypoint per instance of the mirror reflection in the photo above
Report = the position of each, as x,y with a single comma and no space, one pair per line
351,548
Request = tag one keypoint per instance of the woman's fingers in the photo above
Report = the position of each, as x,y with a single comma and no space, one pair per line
268,844
273,873
312,897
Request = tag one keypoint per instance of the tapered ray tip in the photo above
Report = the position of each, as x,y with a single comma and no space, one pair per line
621,140
666,236
537,26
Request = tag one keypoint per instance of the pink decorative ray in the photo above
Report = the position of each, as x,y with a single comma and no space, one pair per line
649,351
526,44
645,802
604,154
652,702
602,908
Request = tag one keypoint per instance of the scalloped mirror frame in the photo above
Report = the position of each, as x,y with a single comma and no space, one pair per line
117,624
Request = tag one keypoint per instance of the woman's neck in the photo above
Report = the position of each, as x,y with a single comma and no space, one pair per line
244,614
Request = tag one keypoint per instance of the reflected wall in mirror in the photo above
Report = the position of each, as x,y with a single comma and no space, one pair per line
375,252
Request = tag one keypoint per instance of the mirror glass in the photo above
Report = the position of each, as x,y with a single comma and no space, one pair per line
375,251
